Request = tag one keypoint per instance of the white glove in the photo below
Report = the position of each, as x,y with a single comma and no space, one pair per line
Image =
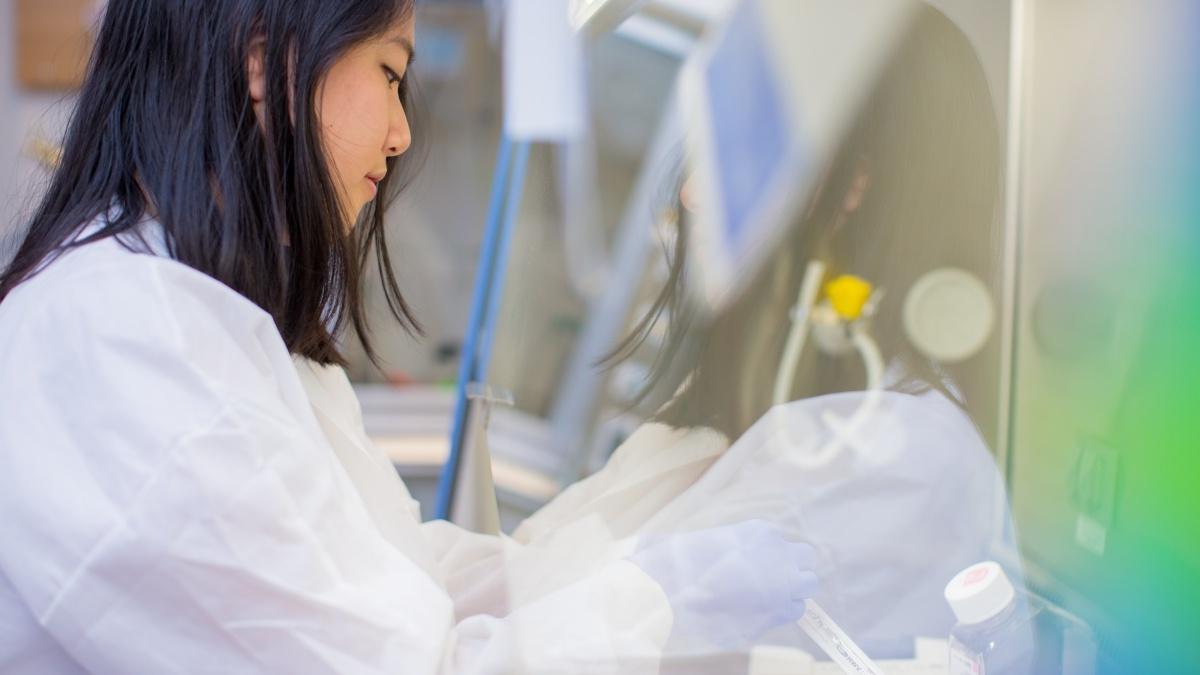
728,585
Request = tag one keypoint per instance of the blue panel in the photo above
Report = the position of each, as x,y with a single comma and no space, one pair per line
749,124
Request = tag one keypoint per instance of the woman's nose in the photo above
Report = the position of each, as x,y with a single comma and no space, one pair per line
399,134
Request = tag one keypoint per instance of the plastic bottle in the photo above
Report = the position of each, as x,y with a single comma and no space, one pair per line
1003,631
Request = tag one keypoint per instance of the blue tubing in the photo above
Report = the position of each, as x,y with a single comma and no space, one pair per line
516,188
479,305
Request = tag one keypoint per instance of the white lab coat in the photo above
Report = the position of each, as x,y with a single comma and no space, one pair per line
177,495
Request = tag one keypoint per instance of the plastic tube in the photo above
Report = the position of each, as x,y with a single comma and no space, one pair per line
805,300
834,642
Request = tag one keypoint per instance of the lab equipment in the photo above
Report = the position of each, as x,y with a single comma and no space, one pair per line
849,296
949,315
773,93
475,505
596,17
512,160
834,642
799,332
544,93
845,312
1002,631
839,324
843,320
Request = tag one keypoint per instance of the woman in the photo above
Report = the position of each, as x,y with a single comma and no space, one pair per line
186,482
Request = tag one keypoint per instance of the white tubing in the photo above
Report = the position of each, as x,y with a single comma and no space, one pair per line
872,358
844,432
806,298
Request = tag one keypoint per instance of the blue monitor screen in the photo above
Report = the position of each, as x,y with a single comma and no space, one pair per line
750,130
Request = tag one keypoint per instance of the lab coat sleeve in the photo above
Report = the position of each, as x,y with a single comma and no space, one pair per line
647,472
169,506
475,567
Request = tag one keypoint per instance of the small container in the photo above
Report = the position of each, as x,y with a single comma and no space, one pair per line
1004,631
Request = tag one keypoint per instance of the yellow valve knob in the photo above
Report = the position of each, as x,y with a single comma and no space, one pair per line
848,295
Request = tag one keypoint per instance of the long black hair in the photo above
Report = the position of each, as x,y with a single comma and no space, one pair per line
165,126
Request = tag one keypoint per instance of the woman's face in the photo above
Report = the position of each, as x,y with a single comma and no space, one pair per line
363,122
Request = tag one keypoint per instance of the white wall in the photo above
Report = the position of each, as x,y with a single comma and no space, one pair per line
22,113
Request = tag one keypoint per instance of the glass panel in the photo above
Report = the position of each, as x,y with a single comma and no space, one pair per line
851,305
735,471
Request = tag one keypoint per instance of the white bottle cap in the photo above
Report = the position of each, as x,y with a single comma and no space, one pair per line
979,592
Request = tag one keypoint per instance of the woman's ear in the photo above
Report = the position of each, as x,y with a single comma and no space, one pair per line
256,73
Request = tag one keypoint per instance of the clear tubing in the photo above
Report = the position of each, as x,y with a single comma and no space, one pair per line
796,337
834,642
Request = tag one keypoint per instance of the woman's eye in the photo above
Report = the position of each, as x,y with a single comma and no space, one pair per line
401,83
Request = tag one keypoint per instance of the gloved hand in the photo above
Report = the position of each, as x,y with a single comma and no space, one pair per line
728,585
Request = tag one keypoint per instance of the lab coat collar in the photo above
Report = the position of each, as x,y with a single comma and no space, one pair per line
147,235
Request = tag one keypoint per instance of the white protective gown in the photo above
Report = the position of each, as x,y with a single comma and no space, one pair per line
177,495
913,498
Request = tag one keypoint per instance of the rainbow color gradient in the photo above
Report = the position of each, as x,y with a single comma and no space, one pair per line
1140,589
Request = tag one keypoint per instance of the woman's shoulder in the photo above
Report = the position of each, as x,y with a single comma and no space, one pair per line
117,273
104,297
113,271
